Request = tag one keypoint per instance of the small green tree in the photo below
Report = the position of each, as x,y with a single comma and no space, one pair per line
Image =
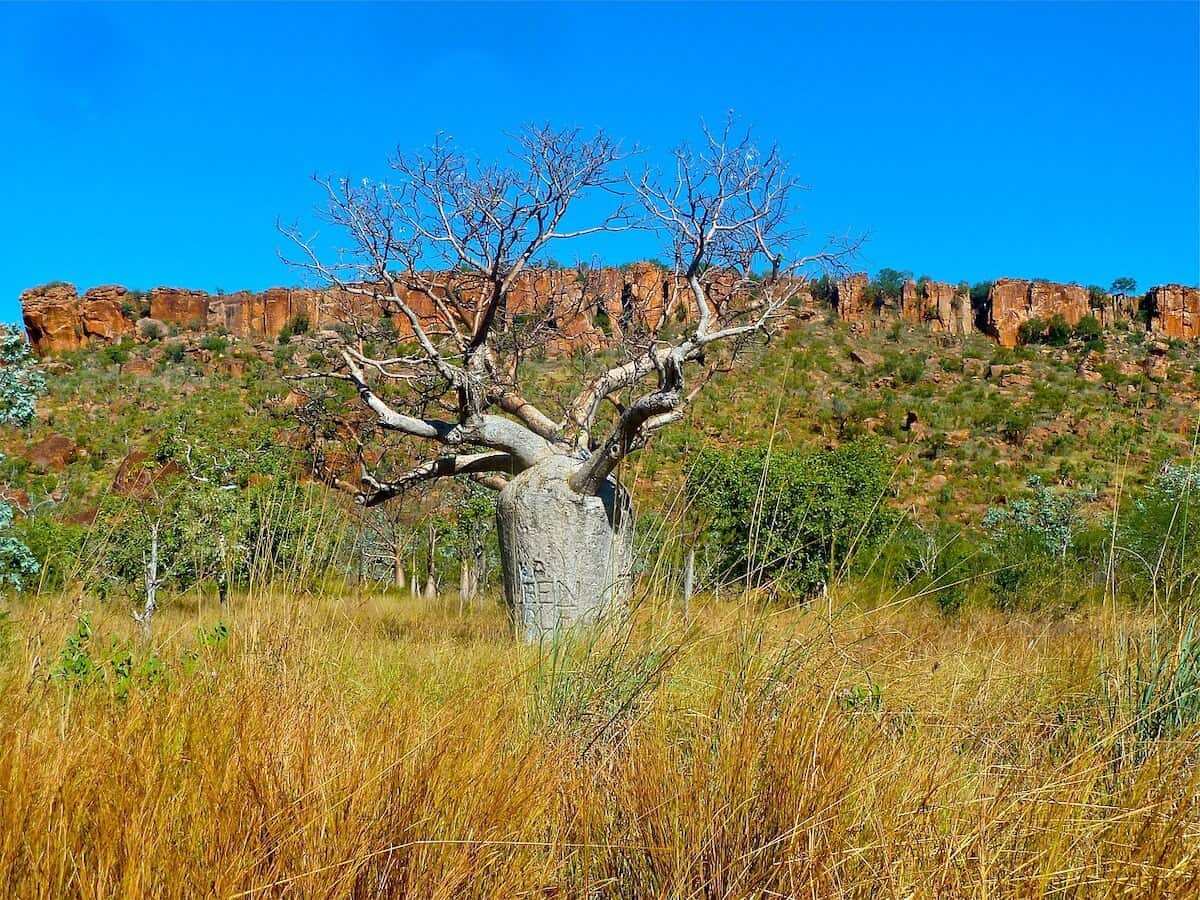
21,379
21,383
1058,331
1124,285
1032,331
793,519
475,517
888,284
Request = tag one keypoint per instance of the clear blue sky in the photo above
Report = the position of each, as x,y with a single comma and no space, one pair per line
156,144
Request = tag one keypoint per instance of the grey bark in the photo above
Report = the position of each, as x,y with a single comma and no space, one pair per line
567,556
398,570
689,579
151,584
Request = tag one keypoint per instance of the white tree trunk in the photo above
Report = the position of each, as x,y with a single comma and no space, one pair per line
567,557
398,571
464,584
689,579
151,602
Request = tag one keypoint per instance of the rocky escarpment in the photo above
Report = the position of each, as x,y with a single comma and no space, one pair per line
1014,301
589,307
1174,310
945,307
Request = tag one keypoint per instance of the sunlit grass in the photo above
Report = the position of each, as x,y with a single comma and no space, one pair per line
383,746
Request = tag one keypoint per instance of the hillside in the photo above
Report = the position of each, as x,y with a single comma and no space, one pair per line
964,421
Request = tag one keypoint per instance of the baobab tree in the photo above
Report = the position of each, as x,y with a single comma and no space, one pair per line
444,270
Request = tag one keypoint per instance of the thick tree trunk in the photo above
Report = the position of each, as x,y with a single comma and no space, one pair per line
567,557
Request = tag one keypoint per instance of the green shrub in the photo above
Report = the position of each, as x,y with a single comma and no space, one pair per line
1160,536
793,519
1031,331
1058,332
911,368
1034,544
1089,329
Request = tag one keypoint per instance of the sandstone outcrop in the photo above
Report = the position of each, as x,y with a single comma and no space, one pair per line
1115,309
943,306
1014,301
1174,311
851,298
52,317
101,314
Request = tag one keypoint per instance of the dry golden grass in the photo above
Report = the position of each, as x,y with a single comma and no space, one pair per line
333,747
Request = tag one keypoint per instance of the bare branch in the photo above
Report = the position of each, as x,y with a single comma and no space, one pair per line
375,492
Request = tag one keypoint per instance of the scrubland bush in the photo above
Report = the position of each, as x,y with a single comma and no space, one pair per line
792,519
1160,537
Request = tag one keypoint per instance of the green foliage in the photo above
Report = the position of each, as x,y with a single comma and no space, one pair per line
214,344
118,667
979,294
151,330
297,325
911,368
174,353
75,665
217,636
1031,331
937,562
1124,285
17,561
21,378
888,284
1030,541
793,518
21,383
117,353
1152,690
1054,332
1160,536
1090,332
1058,332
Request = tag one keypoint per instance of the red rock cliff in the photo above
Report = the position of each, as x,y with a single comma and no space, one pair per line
943,306
1013,301
1174,310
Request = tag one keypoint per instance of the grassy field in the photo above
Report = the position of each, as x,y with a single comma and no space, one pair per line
377,745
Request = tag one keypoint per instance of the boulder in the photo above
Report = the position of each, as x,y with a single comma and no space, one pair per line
51,316
142,367
866,358
52,453
137,475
